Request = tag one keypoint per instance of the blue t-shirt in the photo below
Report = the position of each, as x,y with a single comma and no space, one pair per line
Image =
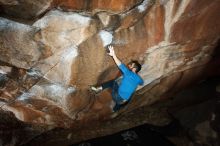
129,82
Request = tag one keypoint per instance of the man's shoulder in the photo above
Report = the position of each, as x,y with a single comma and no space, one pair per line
123,68
139,78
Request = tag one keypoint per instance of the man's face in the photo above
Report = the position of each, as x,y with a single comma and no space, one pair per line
131,67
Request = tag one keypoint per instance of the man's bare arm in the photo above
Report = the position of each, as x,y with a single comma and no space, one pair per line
112,53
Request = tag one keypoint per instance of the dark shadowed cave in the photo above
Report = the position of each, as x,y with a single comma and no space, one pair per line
51,51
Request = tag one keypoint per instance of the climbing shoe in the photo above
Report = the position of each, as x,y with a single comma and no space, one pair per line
96,89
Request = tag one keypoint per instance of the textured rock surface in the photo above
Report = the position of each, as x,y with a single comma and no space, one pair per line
198,112
26,9
47,65
14,47
97,5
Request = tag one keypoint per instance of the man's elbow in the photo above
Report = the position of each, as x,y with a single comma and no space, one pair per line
118,63
142,83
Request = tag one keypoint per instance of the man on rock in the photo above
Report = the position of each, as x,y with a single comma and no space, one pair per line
124,86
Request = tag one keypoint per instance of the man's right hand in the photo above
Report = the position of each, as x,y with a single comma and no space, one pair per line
111,51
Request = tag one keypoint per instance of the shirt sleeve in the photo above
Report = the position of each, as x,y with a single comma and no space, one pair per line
123,68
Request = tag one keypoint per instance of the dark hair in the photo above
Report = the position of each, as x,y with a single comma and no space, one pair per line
137,65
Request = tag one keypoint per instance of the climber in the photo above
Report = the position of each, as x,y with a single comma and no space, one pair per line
124,86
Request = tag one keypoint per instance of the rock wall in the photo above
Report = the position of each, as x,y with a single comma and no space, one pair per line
51,51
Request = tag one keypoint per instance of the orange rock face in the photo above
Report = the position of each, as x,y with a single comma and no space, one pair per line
84,5
197,22
47,66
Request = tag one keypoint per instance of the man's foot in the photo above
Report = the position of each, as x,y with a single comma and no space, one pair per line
96,89
114,114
